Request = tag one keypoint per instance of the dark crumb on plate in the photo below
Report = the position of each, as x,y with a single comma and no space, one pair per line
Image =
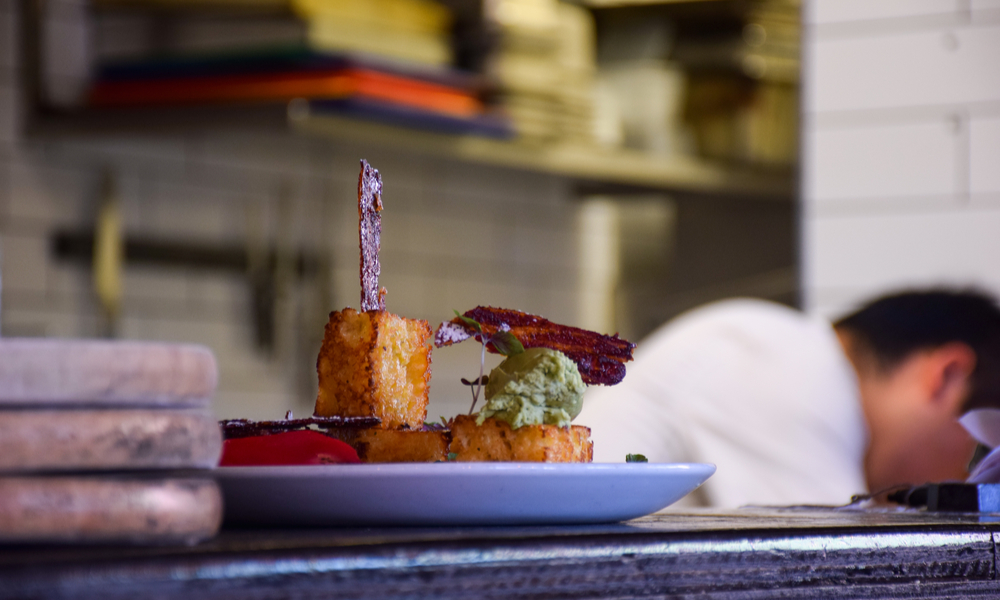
240,428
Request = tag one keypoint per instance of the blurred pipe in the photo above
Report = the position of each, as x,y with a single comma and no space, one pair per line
79,246
260,276
599,253
284,273
109,250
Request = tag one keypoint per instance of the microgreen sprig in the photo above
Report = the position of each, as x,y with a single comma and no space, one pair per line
503,341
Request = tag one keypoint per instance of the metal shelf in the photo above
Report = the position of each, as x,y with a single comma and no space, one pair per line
594,168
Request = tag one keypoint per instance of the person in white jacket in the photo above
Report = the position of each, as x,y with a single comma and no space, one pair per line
795,410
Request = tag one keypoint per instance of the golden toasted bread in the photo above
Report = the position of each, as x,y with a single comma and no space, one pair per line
494,440
391,446
375,364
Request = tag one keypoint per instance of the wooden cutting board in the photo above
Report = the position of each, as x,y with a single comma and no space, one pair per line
60,372
97,440
108,509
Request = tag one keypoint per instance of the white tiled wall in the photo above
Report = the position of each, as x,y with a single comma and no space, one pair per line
838,11
877,160
901,132
984,155
453,236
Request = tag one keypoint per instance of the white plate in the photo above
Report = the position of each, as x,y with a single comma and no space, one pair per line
454,493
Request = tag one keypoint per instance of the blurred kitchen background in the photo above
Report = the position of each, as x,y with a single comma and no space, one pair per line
186,170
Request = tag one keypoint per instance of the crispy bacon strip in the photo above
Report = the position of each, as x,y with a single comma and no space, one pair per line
370,233
600,358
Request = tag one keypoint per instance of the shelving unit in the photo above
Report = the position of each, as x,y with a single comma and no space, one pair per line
592,168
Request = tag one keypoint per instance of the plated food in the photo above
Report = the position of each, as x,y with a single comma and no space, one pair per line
374,370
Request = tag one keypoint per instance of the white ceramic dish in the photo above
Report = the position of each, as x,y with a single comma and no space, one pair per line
454,493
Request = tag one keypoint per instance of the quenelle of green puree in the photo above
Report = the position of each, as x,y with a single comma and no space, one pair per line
535,387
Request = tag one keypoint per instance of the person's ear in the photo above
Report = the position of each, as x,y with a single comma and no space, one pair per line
951,366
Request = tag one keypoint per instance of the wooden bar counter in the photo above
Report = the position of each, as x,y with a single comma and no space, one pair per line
748,553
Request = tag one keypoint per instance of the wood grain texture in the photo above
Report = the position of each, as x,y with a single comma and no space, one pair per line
106,509
852,556
75,440
57,372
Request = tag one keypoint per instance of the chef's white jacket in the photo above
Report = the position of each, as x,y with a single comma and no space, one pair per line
762,391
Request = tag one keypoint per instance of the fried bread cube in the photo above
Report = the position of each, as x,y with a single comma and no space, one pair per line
494,440
395,445
375,364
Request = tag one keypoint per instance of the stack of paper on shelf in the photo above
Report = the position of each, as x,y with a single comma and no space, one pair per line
545,66
107,441
409,30
744,86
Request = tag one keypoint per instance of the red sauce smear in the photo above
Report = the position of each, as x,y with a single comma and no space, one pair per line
303,447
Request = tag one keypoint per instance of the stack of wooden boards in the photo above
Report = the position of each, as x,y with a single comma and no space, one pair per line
103,441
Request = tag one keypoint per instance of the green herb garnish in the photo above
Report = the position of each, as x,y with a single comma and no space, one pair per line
469,321
636,458
504,342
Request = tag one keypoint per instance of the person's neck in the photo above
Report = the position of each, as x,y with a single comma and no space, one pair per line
865,374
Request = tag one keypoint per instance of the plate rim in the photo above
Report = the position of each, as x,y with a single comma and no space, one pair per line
457,468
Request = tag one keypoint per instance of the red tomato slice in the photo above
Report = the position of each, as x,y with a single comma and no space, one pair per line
303,447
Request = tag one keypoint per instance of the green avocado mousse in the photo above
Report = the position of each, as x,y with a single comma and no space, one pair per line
534,387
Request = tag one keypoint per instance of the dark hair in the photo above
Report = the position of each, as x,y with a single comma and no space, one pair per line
893,327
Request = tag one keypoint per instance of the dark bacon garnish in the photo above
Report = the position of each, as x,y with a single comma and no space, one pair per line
369,234
600,358
241,428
